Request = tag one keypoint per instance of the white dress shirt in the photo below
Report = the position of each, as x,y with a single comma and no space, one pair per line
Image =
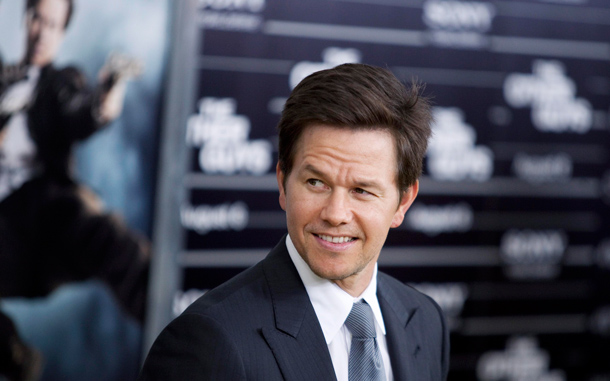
17,149
332,305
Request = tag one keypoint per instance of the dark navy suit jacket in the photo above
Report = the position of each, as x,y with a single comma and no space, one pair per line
261,325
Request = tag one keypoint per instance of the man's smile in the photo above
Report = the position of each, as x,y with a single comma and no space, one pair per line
331,239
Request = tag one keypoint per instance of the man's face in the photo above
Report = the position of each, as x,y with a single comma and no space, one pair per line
45,31
341,198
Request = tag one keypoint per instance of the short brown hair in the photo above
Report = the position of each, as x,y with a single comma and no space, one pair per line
30,4
359,96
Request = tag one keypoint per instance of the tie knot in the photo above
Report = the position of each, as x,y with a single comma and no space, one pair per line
360,321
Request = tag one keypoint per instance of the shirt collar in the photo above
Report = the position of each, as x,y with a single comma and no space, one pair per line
330,302
33,73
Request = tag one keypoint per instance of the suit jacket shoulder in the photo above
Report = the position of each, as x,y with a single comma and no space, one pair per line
213,339
260,325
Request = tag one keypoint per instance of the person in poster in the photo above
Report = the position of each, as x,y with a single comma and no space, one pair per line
53,230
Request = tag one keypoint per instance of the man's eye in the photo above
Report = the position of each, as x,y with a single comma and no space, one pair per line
315,182
361,191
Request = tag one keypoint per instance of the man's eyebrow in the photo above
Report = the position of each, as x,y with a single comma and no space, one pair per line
358,183
315,171
368,184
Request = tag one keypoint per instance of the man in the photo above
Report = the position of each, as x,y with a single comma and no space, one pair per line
53,230
351,145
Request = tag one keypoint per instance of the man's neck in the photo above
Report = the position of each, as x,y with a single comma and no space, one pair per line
357,283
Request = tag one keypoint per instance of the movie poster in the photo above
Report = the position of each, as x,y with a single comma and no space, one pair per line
118,163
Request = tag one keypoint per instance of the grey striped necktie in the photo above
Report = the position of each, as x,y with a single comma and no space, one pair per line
365,362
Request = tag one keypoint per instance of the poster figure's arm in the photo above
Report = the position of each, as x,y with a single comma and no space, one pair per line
112,85
84,111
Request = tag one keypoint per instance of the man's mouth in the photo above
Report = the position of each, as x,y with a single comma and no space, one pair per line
330,239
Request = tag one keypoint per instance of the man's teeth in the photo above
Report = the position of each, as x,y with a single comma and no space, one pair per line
336,239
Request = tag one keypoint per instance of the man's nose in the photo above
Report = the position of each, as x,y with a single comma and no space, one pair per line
45,32
336,209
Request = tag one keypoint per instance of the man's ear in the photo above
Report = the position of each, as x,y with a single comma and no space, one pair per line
405,203
280,184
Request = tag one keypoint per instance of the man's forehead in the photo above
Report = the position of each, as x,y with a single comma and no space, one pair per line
308,131
324,150
57,8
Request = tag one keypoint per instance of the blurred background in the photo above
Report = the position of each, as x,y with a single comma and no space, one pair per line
510,232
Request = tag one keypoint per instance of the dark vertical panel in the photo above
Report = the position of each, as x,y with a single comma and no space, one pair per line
509,233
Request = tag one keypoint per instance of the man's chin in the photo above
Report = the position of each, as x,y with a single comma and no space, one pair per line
39,59
39,63
333,274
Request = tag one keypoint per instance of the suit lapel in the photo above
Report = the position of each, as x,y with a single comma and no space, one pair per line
297,341
402,337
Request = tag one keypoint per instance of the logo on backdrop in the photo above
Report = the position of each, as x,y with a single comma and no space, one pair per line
235,15
449,296
538,169
206,218
533,254
183,299
599,322
551,95
222,137
452,153
602,254
458,23
436,219
605,187
522,360
331,57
